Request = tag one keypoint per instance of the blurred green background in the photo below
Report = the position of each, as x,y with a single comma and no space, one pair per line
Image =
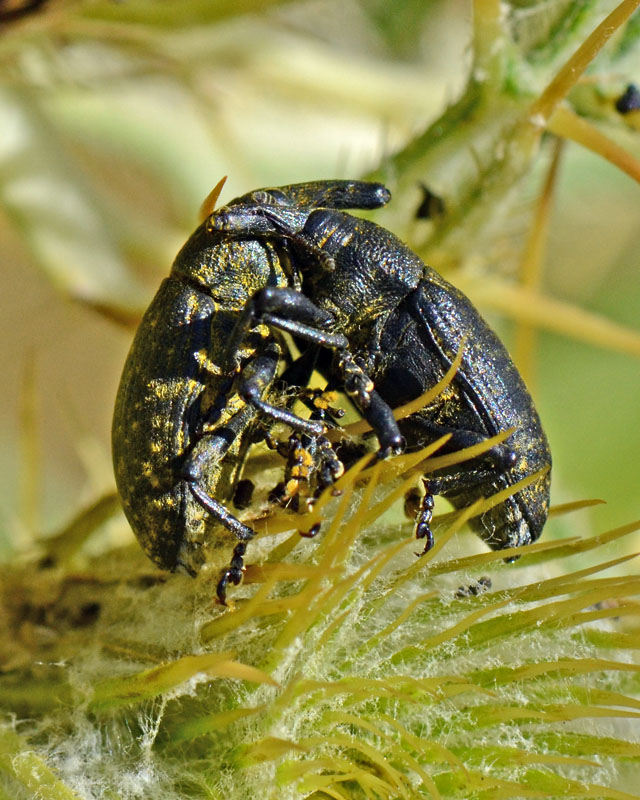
117,118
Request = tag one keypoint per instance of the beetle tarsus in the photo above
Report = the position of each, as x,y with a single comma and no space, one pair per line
424,518
233,574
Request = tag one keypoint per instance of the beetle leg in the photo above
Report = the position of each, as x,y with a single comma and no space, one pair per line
423,520
380,416
255,379
445,485
209,449
233,574
420,509
306,457
287,310
300,465
357,384
224,517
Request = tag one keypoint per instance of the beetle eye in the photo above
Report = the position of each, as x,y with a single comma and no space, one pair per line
272,197
218,220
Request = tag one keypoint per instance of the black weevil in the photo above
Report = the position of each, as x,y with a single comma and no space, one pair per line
405,324
199,376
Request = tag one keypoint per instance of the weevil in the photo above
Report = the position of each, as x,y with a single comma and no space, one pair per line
199,377
405,324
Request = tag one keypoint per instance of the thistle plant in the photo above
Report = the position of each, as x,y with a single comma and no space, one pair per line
347,668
